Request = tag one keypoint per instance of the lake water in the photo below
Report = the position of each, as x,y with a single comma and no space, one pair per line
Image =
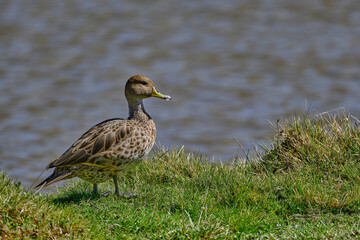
231,67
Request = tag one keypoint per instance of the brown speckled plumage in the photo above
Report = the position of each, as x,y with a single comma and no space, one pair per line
113,146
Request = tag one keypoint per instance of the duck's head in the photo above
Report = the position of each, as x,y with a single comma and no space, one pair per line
140,87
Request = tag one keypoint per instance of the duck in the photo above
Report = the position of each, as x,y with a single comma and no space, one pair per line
114,146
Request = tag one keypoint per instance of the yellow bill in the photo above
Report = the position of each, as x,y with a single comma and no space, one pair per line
159,95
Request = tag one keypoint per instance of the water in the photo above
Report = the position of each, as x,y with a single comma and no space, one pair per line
231,66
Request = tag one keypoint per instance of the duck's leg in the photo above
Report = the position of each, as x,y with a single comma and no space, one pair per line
95,188
117,188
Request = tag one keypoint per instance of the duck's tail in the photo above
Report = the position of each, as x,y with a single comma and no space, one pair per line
54,177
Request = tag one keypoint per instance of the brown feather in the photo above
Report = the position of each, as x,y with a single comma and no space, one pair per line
99,139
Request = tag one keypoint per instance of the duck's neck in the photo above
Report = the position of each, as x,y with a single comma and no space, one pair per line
137,111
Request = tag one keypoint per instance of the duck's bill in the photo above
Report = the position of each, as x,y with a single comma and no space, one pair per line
159,95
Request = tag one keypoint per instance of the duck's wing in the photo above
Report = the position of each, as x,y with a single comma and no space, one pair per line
98,139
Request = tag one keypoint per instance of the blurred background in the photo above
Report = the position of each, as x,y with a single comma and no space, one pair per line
231,67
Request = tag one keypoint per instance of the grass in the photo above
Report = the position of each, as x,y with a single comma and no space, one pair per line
24,215
305,185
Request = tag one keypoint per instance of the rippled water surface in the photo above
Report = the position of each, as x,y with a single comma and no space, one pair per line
231,66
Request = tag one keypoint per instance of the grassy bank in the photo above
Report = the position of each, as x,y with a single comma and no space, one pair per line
306,185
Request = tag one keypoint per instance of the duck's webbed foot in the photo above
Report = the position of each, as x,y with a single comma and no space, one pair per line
117,190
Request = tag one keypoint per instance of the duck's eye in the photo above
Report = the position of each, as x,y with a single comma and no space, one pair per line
144,83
